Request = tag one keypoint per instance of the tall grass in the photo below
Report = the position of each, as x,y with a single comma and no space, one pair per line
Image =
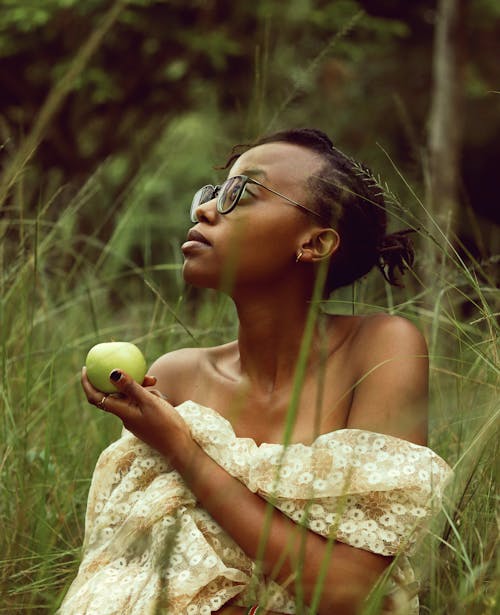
56,303
61,291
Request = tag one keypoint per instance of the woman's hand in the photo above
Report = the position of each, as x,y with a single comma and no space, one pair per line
144,412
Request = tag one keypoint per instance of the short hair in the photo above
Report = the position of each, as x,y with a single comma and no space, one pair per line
346,195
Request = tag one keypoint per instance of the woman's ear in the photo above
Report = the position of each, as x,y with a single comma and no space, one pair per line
321,244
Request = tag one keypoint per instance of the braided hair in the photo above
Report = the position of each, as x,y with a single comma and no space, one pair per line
347,196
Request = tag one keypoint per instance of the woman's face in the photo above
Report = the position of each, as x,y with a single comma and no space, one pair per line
258,240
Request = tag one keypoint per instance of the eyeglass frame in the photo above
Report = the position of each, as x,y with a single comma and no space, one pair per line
216,191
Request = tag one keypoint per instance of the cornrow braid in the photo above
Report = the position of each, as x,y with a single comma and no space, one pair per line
349,197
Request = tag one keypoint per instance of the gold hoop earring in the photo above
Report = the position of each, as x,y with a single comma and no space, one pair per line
299,256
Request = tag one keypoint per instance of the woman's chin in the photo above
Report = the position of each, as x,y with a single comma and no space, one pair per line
194,276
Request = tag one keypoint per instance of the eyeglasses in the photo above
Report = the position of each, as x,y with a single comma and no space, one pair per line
230,192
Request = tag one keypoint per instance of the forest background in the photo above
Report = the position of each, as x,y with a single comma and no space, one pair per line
113,113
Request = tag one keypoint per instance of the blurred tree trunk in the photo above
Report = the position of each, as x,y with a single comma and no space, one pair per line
446,115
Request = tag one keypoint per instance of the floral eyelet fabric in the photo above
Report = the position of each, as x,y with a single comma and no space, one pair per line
149,548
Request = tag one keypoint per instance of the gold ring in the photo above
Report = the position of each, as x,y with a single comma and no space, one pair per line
100,404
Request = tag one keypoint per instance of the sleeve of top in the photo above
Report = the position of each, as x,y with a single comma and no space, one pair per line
368,490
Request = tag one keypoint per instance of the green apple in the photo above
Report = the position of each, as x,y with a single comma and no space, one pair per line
104,358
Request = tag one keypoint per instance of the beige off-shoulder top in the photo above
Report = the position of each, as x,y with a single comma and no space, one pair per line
149,548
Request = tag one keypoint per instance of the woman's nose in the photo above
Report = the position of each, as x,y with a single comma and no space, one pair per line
207,212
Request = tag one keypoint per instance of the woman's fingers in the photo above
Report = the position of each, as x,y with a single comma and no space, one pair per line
129,387
94,396
149,381
126,385
133,396
115,403
143,411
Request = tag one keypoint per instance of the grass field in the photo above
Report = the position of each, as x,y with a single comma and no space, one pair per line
63,290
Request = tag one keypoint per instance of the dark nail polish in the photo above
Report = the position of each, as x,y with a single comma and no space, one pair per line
115,375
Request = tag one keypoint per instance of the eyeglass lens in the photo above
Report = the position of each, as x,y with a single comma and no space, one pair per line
229,193
203,195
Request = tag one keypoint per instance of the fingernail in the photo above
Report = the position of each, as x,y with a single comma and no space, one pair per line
115,375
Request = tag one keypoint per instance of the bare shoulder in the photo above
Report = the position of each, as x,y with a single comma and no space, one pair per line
174,371
180,373
391,392
383,337
385,334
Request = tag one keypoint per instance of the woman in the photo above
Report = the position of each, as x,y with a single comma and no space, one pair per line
334,438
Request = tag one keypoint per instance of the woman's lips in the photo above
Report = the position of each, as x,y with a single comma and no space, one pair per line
195,240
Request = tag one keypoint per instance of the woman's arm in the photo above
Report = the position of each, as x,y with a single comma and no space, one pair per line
243,514
351,572
391,396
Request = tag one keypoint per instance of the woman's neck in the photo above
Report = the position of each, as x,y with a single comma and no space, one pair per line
272,325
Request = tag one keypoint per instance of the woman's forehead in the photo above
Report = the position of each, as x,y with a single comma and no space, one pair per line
279,162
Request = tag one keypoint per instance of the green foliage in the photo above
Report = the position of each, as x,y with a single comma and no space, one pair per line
63,292
90,233
254,68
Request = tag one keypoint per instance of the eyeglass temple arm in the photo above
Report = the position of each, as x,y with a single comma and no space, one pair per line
315,213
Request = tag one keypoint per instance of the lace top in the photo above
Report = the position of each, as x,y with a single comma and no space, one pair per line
149,548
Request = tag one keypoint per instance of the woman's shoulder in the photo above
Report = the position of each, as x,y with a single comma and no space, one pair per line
374,335
387,333
190,356
177,371
391,357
